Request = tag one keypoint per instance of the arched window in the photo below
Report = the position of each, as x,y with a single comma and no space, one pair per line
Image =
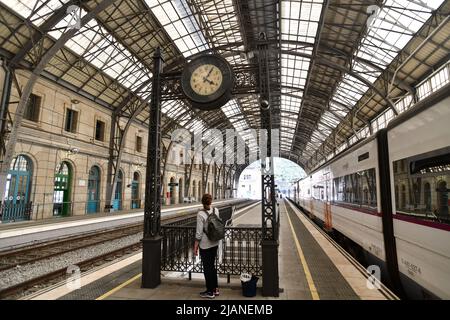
397,203
62,190
181,158
172,190
18,187
416,194
427,196
93,202
442,194
403,197
194,189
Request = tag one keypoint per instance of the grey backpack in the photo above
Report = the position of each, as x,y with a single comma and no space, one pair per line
215,228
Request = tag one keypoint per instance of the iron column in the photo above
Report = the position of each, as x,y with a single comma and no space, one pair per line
270,218
151,249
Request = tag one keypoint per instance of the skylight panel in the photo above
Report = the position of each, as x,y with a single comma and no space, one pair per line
350,91
394,26
42,9
293,76
174,109
196,126
94,44
299,20
102,50
231,110
178,21
324,129
390,31
365,71
330,119
289,103
341,111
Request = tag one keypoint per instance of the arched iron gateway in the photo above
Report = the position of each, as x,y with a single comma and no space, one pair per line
135,192
169,87
117,203
93,201
16,204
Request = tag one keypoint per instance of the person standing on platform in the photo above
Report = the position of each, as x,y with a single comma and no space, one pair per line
208,248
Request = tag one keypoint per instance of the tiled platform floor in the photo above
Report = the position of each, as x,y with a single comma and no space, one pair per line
317,270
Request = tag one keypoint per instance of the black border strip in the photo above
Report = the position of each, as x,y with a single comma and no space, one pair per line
390,247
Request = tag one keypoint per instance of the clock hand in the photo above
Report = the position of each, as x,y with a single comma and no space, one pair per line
209,81
209,73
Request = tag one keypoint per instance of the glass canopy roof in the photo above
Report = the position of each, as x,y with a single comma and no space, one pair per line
393,26
194,26
177,19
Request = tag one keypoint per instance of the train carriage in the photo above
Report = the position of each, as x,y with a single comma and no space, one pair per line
419,167
389,195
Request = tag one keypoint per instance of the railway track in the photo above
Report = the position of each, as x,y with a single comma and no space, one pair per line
13,258
61,274
28,255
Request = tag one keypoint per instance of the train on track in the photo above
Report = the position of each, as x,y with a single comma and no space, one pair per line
389,194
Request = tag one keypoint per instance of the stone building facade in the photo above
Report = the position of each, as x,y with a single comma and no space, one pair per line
62,156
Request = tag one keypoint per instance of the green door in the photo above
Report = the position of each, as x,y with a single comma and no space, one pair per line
62,190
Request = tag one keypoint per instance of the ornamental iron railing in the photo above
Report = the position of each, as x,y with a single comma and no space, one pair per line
239,251
15,211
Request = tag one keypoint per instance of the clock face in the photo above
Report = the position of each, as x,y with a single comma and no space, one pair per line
207,82
206,79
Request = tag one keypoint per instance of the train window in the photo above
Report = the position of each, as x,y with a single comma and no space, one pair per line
423,186
317,189
338,194
357,189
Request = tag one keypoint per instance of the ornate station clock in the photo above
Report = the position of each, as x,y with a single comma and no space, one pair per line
207,82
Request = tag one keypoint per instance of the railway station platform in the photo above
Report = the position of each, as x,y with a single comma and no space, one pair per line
311,267
33,231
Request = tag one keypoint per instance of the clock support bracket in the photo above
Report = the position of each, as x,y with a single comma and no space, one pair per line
248,79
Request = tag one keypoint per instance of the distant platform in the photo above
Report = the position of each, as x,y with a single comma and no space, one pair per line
28,232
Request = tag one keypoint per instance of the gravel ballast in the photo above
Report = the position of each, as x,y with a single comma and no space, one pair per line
11,277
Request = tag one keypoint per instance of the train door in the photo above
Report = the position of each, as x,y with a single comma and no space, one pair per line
93,190
117,202
17,193
328,217
62,190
